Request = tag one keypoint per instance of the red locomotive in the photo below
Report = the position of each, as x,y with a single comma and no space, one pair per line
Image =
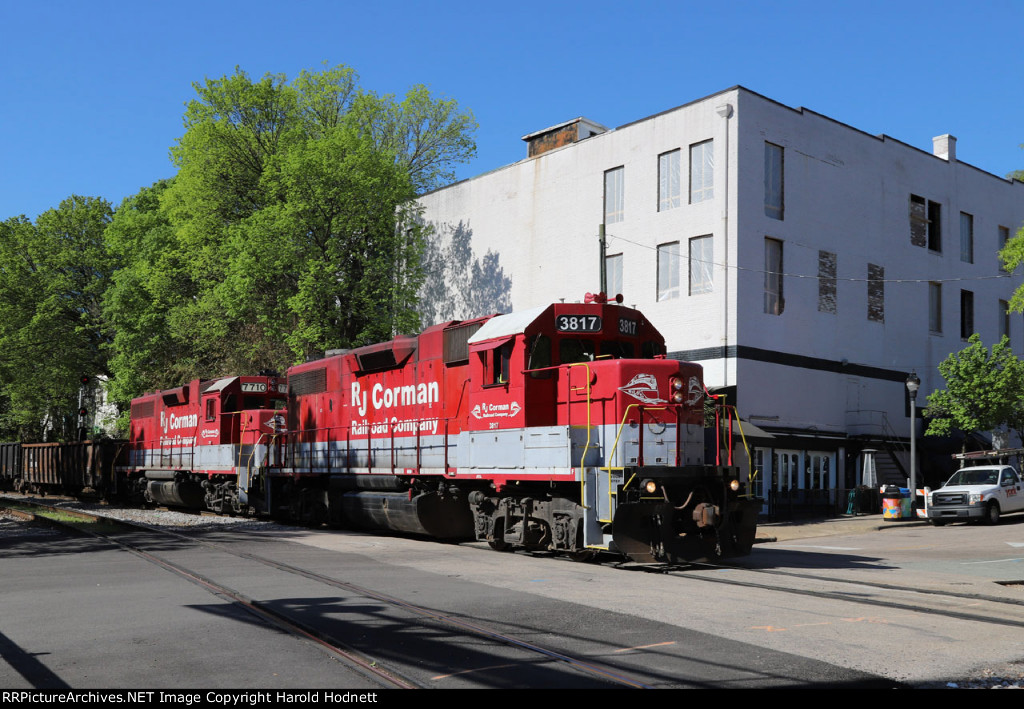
201,444
560,428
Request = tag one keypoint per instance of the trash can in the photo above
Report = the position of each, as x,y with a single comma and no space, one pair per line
896,502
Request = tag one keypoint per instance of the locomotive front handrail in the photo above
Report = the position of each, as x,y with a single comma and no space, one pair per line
608,469
754,472
241,437
252,453
568,406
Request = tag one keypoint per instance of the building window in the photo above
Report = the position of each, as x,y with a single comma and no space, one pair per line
966,314
668,181
761,471
876,293
1004,319
614,194
935,308
613,274
966,237
925,223
827,282
668,271
1004,238
773,176
701,259
773,298
702,171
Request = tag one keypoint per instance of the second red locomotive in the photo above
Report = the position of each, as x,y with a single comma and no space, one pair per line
202,444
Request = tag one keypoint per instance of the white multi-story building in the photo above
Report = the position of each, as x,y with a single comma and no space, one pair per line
807,265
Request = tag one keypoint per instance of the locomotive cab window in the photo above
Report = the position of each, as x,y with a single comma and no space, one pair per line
651,349
572,350
253,402
496,364
502,359
211,409
617,350
540,357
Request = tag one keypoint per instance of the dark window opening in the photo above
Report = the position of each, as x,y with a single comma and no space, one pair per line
617,350
571,351
540,357
966,314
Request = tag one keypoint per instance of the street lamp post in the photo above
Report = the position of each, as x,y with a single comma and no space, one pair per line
913,384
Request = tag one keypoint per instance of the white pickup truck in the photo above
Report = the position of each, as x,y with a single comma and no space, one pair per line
981,492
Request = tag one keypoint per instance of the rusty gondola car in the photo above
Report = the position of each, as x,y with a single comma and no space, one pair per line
60,468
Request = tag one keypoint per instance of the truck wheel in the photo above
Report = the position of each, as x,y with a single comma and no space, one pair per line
497,541
992,514
938,522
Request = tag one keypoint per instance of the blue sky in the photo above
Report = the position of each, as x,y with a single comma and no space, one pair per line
94,92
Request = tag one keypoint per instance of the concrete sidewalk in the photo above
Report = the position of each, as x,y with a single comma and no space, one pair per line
803,529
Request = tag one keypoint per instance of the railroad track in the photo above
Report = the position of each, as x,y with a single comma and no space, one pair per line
457,630
967,606
843,607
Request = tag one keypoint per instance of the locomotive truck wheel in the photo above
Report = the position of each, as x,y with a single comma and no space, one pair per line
497,541
938,522
581,554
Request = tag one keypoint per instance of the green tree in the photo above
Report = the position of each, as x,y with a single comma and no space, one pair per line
52,277
147,299
289,228
1012,255
292,217
984,390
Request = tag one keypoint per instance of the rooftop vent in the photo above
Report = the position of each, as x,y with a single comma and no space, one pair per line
563,134
944,146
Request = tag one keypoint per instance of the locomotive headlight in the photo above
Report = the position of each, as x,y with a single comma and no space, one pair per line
675,387
734,485
649,486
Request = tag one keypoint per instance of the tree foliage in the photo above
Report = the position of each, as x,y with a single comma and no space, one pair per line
984,390
146,298
52,278
1012,256
289,228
